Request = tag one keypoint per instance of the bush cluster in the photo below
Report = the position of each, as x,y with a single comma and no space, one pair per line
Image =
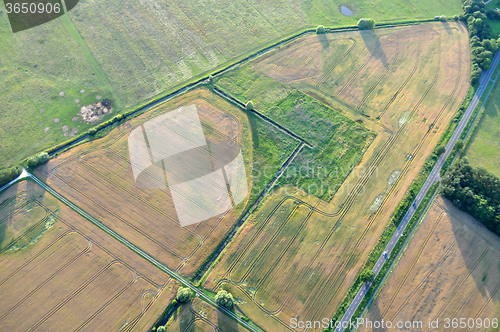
38,159
183,295
483,43
224,299
9,174
366,23
475,191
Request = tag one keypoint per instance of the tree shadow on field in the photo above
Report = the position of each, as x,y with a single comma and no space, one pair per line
375,316
187,318
447,27
225,323
252,119
372,43
470,236
323,39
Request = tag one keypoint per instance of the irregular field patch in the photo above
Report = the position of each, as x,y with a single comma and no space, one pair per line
449,270
60,272
298,254
97,176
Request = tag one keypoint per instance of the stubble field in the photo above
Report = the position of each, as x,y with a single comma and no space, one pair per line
98,177
298,254
449,270
60,272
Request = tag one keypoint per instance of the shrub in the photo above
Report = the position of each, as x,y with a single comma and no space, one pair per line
183,294
174,302
38,159
455,18
320,29
249,106
9,174
160,329
92,131
366,23
224,299
443,18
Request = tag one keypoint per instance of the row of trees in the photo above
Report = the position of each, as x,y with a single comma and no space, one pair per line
474,190
484,44
223,298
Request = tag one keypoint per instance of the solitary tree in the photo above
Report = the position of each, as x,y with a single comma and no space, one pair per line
443,18
366,23
458,145
249,106
320,29
440,150
160,329
183,294
224,299
367,275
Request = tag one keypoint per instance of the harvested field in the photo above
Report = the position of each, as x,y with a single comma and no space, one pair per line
59,272
297,254
449,270
197,315
98,177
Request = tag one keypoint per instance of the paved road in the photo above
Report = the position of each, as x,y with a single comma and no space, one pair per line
433,177
130,245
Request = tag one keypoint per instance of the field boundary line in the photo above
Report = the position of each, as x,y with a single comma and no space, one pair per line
262,116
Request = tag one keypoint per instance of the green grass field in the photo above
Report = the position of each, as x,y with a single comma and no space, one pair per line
130,51
484,146
35,67
337,142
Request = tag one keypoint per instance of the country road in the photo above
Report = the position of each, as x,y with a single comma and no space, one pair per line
433,177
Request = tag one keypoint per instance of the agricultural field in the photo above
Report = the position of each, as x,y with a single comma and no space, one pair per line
44,77
129,51
198,316
449,270
484,145
100,177
298,253
59,272
336,142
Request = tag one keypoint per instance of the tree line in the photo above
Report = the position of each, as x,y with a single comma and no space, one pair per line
475,191
484,44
